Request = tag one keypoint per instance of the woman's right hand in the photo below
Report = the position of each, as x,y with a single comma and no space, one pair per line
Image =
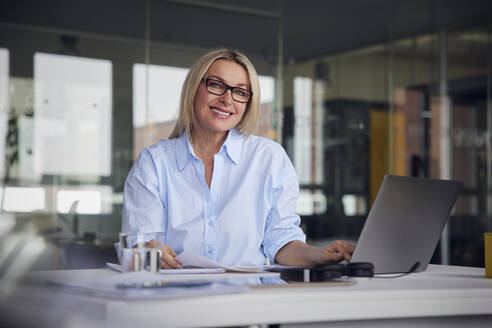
168,258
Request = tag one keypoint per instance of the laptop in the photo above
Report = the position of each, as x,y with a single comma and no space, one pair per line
405,223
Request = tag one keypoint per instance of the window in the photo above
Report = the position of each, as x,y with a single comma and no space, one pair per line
72,115
89,199
267,97
23,199
160,102
156,92
302,143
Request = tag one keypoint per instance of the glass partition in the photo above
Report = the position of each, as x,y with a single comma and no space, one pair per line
83,91
414,107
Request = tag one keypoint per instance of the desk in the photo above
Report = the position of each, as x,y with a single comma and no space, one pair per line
447,296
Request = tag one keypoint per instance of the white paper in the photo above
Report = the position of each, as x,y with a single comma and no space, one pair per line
114,266
194,260
119,268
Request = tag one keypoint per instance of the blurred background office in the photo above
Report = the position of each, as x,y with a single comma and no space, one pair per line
352,89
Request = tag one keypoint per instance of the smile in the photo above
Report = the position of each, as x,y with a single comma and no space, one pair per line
220,112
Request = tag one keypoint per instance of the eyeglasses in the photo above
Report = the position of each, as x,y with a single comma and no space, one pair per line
219,88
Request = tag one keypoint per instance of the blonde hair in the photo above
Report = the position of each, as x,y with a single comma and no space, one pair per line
187,118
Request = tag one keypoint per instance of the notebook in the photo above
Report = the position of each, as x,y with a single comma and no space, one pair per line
405,223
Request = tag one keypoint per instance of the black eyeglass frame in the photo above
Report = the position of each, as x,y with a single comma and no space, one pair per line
228,87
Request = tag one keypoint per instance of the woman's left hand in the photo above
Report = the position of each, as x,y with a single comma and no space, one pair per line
337,251
297,252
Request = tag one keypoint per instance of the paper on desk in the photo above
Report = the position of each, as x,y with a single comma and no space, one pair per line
119,268
194,260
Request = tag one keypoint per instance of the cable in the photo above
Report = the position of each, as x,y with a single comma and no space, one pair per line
412,269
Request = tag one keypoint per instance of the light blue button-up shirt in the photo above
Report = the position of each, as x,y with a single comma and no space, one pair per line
248,212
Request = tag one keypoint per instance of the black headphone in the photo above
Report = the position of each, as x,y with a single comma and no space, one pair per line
327,271
359,269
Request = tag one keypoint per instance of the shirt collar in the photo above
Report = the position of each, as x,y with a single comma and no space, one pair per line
233,146
184,150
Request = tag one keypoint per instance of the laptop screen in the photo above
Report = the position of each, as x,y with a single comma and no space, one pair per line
405,223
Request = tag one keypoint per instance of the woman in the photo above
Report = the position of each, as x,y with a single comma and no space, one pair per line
213,188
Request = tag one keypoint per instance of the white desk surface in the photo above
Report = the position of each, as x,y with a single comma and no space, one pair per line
442,296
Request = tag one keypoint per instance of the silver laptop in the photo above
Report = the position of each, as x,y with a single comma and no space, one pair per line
405,223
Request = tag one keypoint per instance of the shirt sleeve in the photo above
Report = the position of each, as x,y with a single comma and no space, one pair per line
282,225
143,207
